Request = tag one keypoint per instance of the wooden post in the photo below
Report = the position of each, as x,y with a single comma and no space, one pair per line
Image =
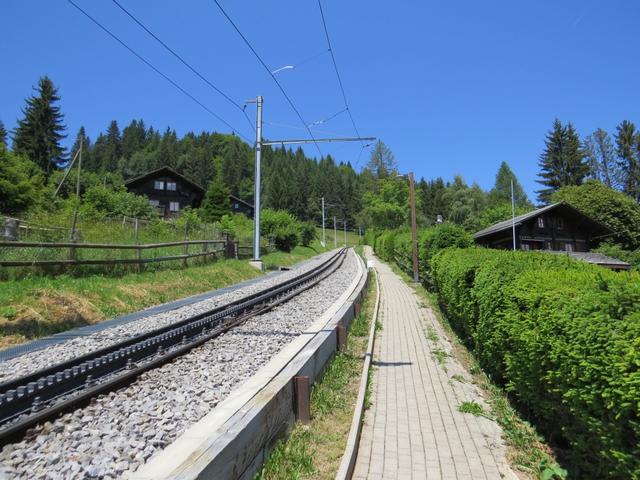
138,250
302,397
341,333
186,245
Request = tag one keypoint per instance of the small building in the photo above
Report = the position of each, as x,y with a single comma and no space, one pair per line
170,192
555,228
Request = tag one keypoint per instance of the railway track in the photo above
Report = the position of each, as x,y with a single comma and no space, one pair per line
42,395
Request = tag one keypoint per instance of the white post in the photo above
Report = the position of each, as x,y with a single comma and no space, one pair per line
256,200
323,239
335,233
513,216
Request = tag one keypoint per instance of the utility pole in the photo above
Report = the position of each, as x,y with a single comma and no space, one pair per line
335,233
513,216
345,232
74,236
256,197
414,240
323,242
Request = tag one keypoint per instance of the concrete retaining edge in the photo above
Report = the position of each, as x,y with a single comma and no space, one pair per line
348,463
234,439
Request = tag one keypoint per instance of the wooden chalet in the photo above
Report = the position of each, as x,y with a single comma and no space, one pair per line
170,192
555,228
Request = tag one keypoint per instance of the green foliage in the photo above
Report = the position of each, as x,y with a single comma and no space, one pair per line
564,337
282,227
563,161
103,202
382,163
618,251
494,214
3,134
610,207
501,191
388,207
216,202
40,132
308,233
21,183
628,152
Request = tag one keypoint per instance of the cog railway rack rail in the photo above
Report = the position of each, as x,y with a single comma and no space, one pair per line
35,398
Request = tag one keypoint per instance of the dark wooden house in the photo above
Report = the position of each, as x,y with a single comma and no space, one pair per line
170,192
167,190
555,228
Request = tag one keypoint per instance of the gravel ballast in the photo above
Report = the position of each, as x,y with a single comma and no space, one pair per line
34,361
121,430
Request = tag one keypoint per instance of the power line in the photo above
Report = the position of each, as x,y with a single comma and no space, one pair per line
335,66
150,65
184,62
270,73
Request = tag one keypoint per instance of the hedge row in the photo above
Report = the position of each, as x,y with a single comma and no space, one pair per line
564,337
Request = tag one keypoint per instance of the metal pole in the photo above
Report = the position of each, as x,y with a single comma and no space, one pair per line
335,233
414,239
345,232
75,211
323,240
256,201
513,216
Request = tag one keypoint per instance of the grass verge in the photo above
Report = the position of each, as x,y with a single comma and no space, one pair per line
37,306
526,450
314,451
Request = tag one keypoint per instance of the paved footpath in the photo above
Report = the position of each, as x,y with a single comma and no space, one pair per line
413,429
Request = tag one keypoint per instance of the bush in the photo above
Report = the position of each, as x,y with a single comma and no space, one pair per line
100,202
564,337
282,227
307,233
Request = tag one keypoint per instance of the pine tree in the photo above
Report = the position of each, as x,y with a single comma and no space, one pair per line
501,191
628,151
382,162
216,201
86,147
39,133
3,134
133,138
601,158
562,162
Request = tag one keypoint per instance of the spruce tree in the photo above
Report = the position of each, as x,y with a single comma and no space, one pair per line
216,201
39,133
382,162
562,162
628,151
3,134
601,158
501,191
86,147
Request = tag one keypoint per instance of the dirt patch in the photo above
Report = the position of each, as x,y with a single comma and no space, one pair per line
139,292
68,308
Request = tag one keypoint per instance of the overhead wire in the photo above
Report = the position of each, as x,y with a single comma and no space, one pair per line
159,72
335,66
271,74
184,62
320,122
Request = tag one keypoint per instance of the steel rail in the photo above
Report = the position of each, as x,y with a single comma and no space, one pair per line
34,398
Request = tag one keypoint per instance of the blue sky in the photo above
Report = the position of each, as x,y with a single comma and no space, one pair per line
451,87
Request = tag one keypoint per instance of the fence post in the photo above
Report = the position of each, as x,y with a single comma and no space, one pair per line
138,250
186,245
11,229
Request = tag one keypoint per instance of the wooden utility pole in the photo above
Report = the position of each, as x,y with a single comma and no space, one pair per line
414,239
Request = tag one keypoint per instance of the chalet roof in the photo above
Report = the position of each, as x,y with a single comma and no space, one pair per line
165,171
597,259
520,219
237,199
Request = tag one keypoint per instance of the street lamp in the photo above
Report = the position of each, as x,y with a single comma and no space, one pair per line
414,239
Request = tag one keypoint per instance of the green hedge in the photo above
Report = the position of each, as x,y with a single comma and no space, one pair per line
564,337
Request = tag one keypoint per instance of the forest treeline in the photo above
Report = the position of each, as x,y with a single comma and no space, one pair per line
34,159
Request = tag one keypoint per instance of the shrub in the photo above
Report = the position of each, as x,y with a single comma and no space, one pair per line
564,337
282,227
307,233
101,202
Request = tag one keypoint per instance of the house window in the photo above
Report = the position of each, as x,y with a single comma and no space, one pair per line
525,246
174,206
560,223
171,186
236,205
540,222
158,185
154,203
547,245
568,247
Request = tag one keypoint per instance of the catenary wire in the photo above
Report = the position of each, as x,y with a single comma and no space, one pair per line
163,75
335,66
183,61
284,93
